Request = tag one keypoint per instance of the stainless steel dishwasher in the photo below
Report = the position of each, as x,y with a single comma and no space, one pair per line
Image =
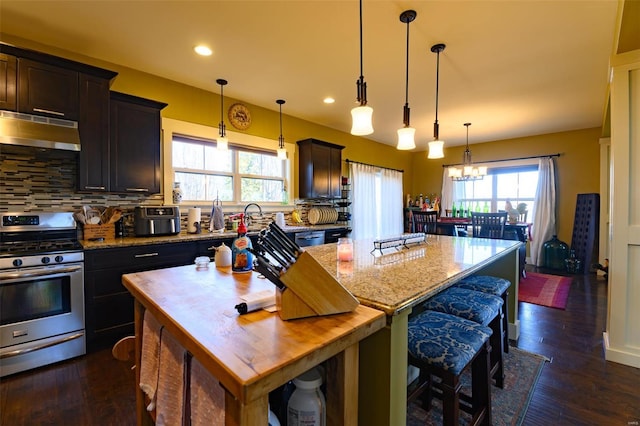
309,238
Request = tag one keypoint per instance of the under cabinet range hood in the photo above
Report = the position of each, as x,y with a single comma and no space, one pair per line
37,131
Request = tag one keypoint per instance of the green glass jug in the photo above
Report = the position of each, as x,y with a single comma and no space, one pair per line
554,253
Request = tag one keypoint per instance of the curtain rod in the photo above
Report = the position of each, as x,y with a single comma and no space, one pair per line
373,165
506,159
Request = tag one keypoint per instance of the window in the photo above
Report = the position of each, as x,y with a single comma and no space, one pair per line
514,184
236,175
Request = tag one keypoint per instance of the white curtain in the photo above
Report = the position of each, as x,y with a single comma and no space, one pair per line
377,201
391,213
544,216
450,192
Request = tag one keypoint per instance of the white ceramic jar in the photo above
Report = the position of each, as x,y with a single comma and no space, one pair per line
223,256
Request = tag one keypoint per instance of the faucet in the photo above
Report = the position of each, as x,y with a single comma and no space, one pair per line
247,218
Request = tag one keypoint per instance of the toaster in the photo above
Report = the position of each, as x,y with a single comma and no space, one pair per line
156,220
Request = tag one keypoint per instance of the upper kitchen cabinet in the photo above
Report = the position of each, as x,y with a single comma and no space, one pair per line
8,88
93,164
49,90
134,138
320,169
41,84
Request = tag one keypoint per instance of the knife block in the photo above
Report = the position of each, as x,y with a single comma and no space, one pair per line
312,291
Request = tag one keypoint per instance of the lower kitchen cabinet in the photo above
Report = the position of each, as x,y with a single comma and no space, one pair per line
332,235
108,305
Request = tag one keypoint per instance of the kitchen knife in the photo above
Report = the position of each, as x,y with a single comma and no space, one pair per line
286,241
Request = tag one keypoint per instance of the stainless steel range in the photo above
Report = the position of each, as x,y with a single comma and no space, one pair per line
41,290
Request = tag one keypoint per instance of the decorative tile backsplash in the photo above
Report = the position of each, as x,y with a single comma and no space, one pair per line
34,179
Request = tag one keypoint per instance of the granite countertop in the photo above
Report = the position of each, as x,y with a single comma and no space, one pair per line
184,236
400,279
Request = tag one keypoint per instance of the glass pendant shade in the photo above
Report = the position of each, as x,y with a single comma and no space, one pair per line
222,143
406,138
436,149
455,172
282,153
362,120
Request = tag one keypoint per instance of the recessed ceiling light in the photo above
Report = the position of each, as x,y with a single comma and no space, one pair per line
203,50
329,100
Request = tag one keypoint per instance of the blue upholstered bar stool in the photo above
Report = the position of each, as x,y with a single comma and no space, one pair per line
482,308
445,345
497,287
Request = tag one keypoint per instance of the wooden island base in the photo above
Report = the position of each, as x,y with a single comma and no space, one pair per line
253,354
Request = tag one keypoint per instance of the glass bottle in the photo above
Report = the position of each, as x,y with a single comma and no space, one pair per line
485,209
555,253
454,210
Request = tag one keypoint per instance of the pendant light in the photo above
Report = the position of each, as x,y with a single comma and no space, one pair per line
436,146
361,115
222,141
282,152
407,133
467,172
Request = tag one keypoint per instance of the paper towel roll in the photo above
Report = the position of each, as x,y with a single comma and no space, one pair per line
193,220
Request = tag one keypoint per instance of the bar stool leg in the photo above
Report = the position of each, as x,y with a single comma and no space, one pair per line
451,399
480,386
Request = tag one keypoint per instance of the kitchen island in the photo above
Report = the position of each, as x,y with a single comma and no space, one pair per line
194,304
397,281
253,354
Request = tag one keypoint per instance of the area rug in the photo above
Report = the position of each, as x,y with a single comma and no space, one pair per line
545,290
509,405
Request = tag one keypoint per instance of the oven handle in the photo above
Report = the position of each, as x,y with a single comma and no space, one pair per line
43,346
38,273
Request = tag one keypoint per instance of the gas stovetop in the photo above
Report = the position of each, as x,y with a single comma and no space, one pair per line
37,234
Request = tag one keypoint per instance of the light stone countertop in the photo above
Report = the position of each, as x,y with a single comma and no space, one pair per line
184,236
401,279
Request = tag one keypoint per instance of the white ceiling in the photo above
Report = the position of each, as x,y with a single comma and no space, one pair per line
512,68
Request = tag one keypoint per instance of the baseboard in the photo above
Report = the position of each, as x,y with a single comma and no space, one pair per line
631,359
514,330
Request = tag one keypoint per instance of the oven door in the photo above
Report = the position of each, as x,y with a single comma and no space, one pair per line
41,316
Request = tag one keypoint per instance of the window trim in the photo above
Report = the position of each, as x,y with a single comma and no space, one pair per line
198,131
511,166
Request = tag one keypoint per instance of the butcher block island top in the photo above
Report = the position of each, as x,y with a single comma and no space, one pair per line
255,353
395,280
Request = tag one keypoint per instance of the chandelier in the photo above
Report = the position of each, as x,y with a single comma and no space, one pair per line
468,171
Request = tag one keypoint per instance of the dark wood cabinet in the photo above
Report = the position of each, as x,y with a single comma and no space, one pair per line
93,165
48,90
8,78
134,143
320,167
108,304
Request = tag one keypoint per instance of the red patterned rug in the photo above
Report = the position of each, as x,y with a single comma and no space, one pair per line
545,290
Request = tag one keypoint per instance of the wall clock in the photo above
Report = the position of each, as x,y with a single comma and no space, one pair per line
239,116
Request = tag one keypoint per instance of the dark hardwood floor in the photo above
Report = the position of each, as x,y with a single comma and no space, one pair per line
578,387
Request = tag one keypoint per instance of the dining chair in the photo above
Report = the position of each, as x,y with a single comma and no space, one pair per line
522,217
488,225
425,221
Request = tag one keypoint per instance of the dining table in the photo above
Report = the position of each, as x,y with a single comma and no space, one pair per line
397,280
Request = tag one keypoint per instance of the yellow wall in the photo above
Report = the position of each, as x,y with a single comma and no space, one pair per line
194,105
577,171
